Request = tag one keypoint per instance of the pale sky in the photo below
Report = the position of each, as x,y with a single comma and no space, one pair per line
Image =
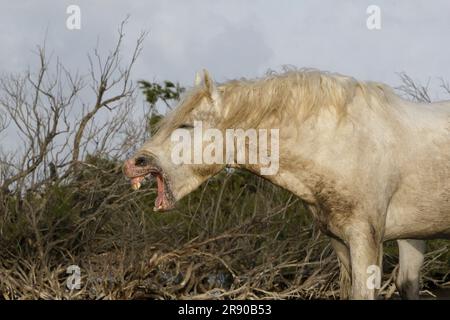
239,38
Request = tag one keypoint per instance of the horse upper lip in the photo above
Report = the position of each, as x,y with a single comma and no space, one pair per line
147,172
135,172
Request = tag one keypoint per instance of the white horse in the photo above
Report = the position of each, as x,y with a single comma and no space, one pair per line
371,166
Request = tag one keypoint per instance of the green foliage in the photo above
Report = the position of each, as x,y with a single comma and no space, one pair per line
166,92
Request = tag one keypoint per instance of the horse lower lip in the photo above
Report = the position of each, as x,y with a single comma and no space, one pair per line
160,199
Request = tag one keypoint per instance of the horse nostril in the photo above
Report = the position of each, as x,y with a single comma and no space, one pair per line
141,161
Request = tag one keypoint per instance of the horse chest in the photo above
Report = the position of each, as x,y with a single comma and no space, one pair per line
324,220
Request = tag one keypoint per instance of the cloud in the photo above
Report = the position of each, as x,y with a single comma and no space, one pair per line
235,38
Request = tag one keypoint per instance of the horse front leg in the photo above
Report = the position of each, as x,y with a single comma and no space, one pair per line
365,255
345,281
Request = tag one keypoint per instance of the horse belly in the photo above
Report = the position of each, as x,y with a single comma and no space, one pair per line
425,217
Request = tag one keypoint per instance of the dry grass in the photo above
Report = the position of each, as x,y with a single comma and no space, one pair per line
238,237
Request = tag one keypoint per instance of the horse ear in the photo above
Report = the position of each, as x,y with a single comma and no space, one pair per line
198,79
204,78
209,85
208,81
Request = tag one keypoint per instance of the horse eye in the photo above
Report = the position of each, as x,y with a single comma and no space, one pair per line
185,126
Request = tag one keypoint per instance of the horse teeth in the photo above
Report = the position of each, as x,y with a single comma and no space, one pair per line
136,186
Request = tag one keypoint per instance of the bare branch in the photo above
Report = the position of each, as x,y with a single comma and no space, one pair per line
110,77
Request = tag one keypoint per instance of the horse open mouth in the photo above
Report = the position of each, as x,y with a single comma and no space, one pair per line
164,199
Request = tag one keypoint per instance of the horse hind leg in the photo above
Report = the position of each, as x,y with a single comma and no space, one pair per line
411,256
